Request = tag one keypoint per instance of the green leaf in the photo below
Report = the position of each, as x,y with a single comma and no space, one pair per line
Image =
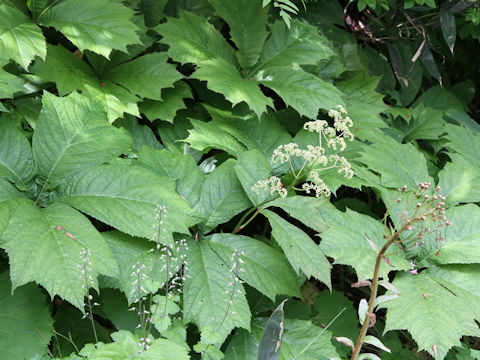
38,6
271,340
173,100
206,135
398,165
192,39
299,45
299,249
114,304
224,78
24,315
116,100
153,11
141,134
266,269
44,246
347,241
20,38
9,84
96,25
163,349
363,103
247,20
304,341
68,71
16,159
176,166
222,196
73,133
303,91
308,210
125,197
145,76
421,309
206,297
465,142
430,64
251,167
459,181
125,347
128,251
242,346
449,29
462,245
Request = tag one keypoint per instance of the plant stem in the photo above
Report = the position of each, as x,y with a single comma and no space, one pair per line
374,288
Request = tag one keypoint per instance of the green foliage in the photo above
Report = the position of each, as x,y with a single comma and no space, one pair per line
174,171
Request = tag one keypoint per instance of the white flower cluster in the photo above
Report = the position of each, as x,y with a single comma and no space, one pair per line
316,185
284,153
273,184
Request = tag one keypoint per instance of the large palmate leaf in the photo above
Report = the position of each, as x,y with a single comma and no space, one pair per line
44,245
73,133
299,248
465,142
299,45
10,199
222,196
145,76
460,181
251,167
125,197
423,308
224,78
266,269
247,20
303,91
24,316
207,301
176,166
192,39
405,165
348,239
462,238
16,160
20,38
96,25
128,251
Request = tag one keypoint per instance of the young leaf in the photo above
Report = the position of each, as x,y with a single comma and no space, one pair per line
96,25
145,76
44,246
176,166
423,304
251,167
20,38
16,159
345,240
299,249
192,39
247,20
222,197
73,133
303,91
25,314
207,300
125,197
266,269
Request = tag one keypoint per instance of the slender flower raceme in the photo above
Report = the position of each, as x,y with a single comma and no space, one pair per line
85,268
